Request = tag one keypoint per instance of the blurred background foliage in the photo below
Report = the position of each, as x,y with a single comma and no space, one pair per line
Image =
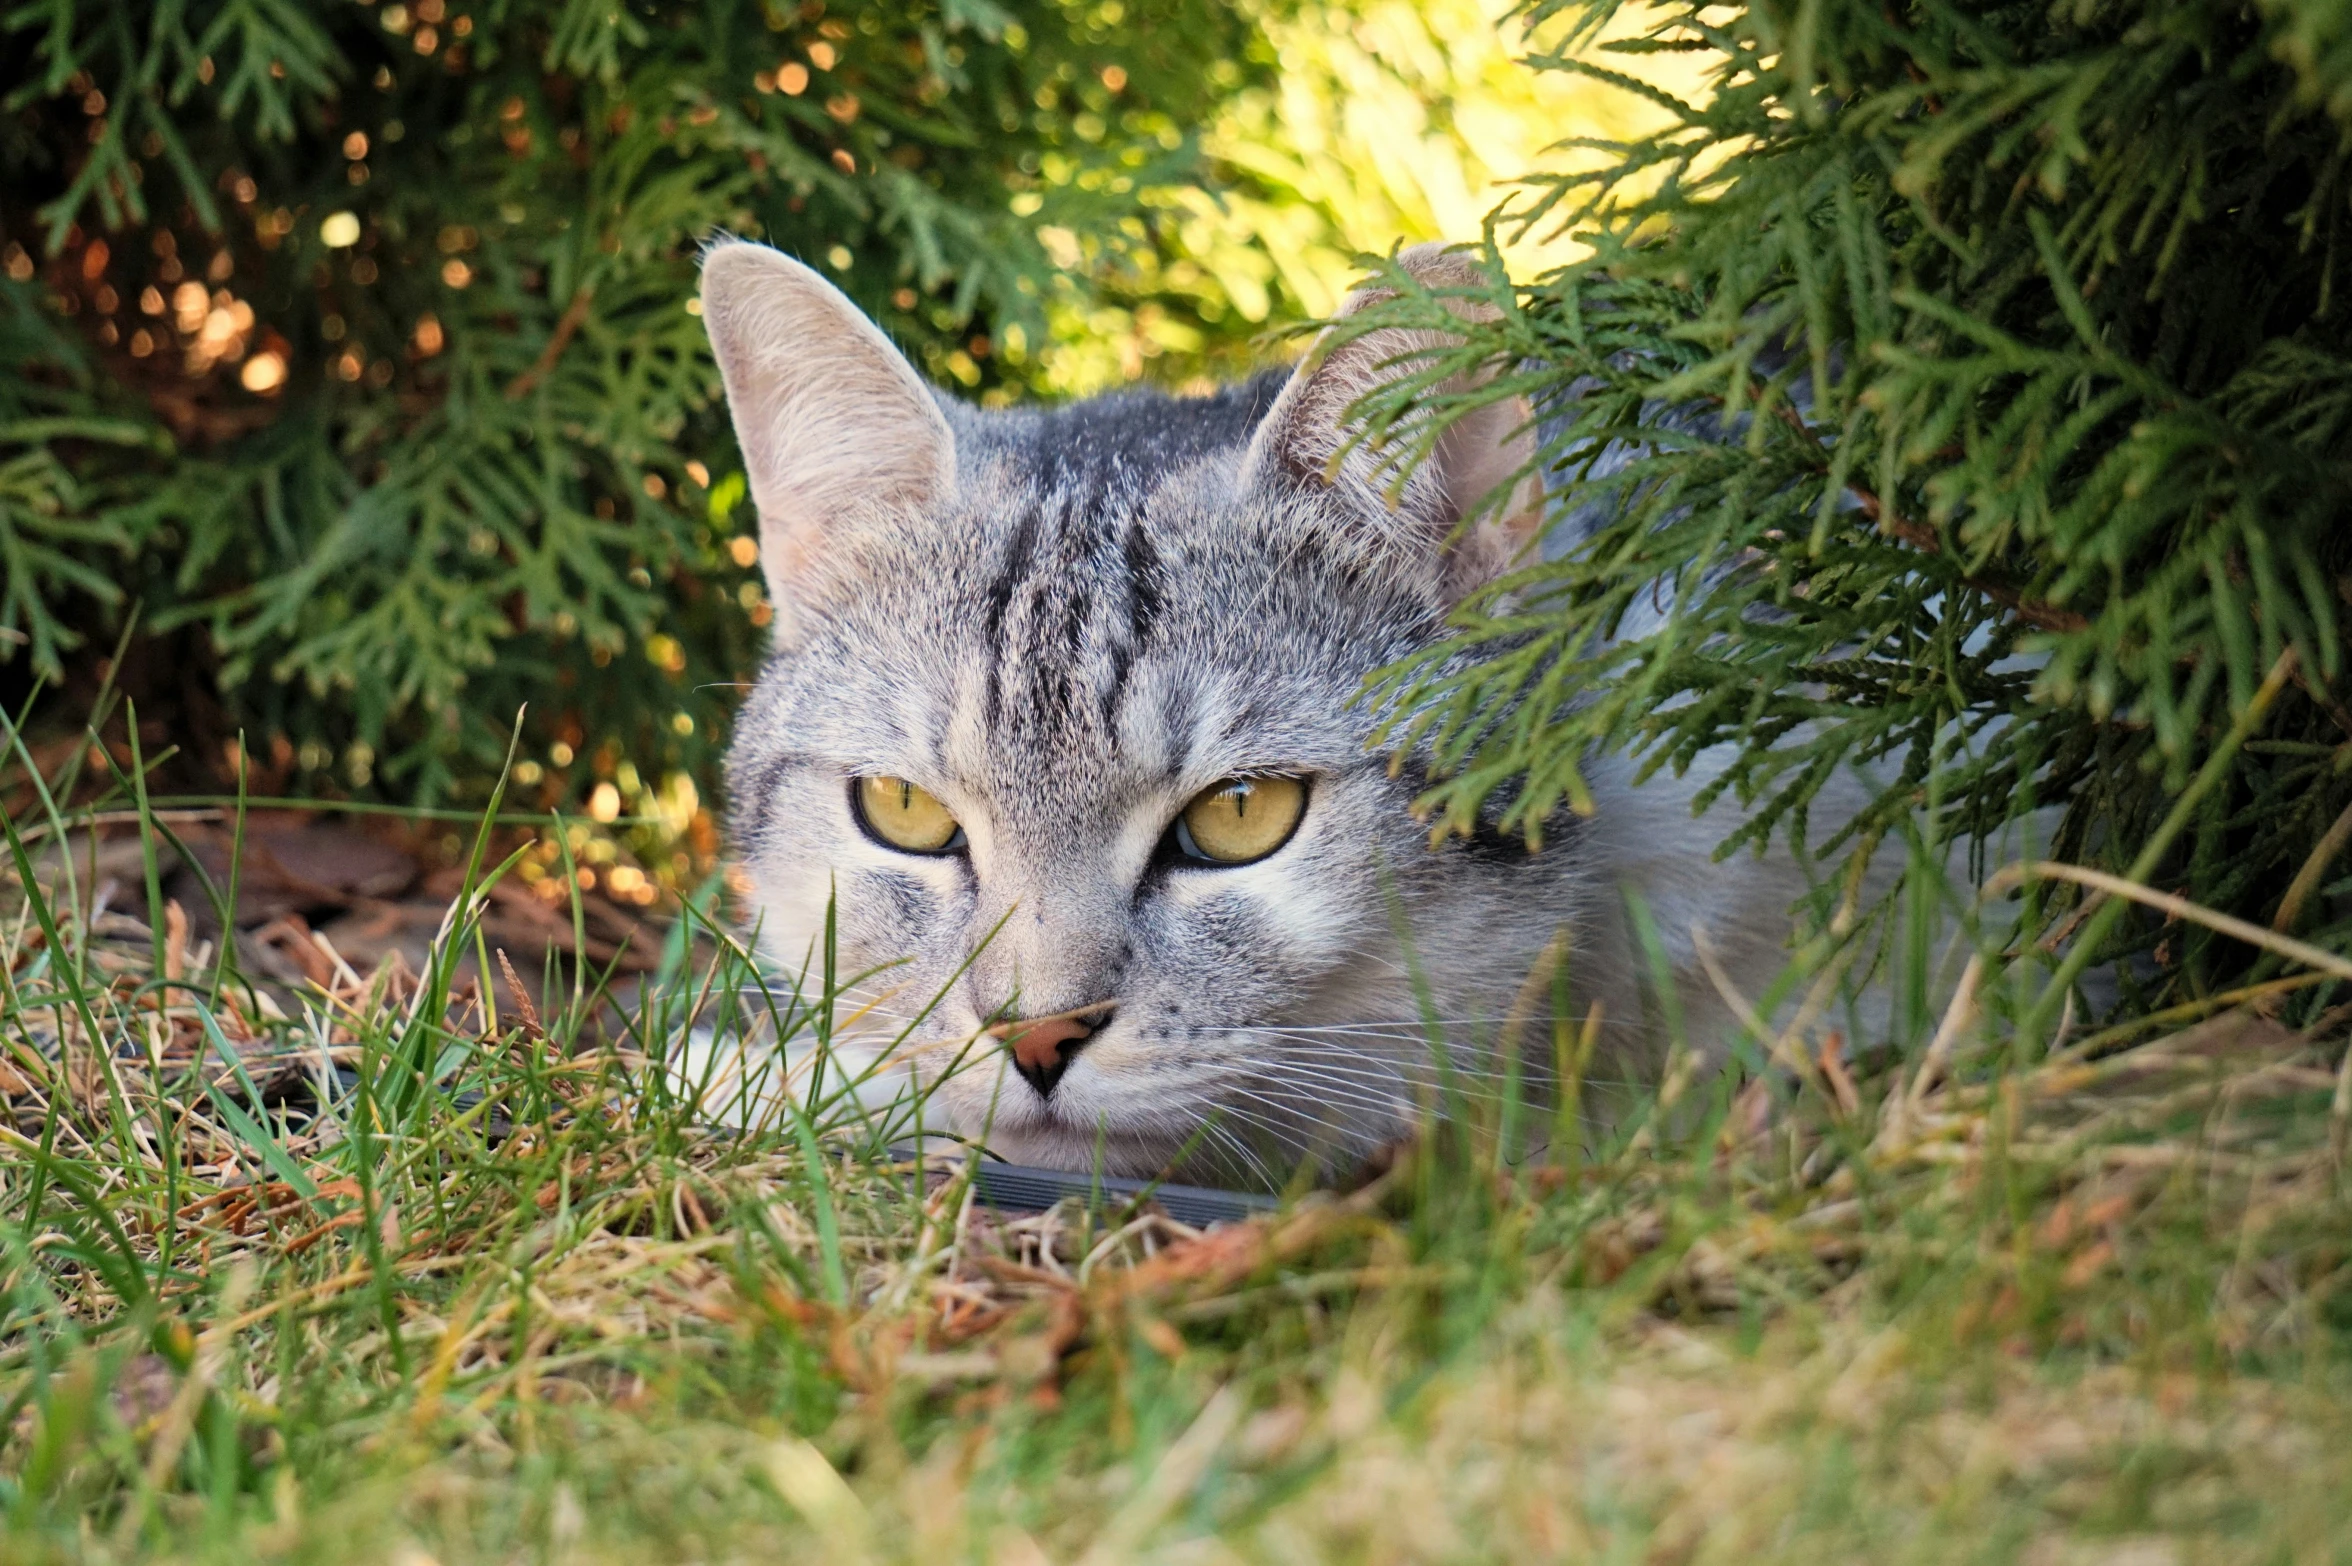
1387,122
355,388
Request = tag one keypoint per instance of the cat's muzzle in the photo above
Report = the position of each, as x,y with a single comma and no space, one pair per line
1043,1047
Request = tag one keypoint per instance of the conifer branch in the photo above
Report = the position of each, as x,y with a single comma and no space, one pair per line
364,493
2065,272
2047,617
2042,616
567,327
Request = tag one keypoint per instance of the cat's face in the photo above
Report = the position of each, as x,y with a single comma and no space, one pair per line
1061,723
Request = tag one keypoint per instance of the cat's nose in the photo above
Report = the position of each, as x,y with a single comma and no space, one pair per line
1043,1048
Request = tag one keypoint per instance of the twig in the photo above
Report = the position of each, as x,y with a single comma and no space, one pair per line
1957,1016
2066,927
566,328
2299,890
1923,538
1779,1046
1832,1056
2143,867
2253,995
2179,907
2325,700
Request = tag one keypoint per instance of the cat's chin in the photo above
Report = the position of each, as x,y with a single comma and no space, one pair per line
1154,1154
1051,1144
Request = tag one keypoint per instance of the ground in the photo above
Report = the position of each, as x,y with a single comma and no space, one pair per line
507,1297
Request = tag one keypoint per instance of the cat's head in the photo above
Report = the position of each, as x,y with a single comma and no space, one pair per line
1062,719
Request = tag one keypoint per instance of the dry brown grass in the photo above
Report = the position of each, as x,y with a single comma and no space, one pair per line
518,1301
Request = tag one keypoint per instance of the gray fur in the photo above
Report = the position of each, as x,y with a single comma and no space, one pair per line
1109,608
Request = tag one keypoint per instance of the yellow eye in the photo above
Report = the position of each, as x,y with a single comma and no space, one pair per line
1241,819
904,816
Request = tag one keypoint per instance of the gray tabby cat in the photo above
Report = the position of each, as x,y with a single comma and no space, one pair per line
1061,714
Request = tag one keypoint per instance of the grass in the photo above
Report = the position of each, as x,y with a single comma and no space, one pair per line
507,1296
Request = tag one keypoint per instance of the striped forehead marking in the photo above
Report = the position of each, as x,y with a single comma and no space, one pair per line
1074,598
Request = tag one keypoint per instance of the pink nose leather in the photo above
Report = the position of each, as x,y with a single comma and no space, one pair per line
1037,1046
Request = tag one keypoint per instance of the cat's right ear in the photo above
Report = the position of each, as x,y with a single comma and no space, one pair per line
836,427
1449,516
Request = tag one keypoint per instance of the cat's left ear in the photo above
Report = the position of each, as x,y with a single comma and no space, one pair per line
1311,436
838,431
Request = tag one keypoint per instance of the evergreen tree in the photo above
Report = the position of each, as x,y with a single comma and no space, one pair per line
351,340
1975,383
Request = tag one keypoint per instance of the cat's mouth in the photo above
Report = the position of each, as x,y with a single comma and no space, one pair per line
1212,1143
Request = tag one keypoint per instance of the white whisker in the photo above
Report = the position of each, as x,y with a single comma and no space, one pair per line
1229,1094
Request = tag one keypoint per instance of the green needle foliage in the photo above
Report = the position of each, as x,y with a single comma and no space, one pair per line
352,340
1974,386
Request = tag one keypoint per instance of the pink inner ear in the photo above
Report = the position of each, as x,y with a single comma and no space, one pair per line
834,424
1307,437
1485,450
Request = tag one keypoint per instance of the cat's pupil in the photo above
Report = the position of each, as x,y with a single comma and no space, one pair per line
900,814
1240,819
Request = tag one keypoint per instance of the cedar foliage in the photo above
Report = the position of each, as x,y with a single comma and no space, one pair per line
348,340
1975,383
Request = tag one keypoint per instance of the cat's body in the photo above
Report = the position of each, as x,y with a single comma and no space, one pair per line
1065,631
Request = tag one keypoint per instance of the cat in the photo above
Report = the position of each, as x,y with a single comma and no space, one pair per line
1062,721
